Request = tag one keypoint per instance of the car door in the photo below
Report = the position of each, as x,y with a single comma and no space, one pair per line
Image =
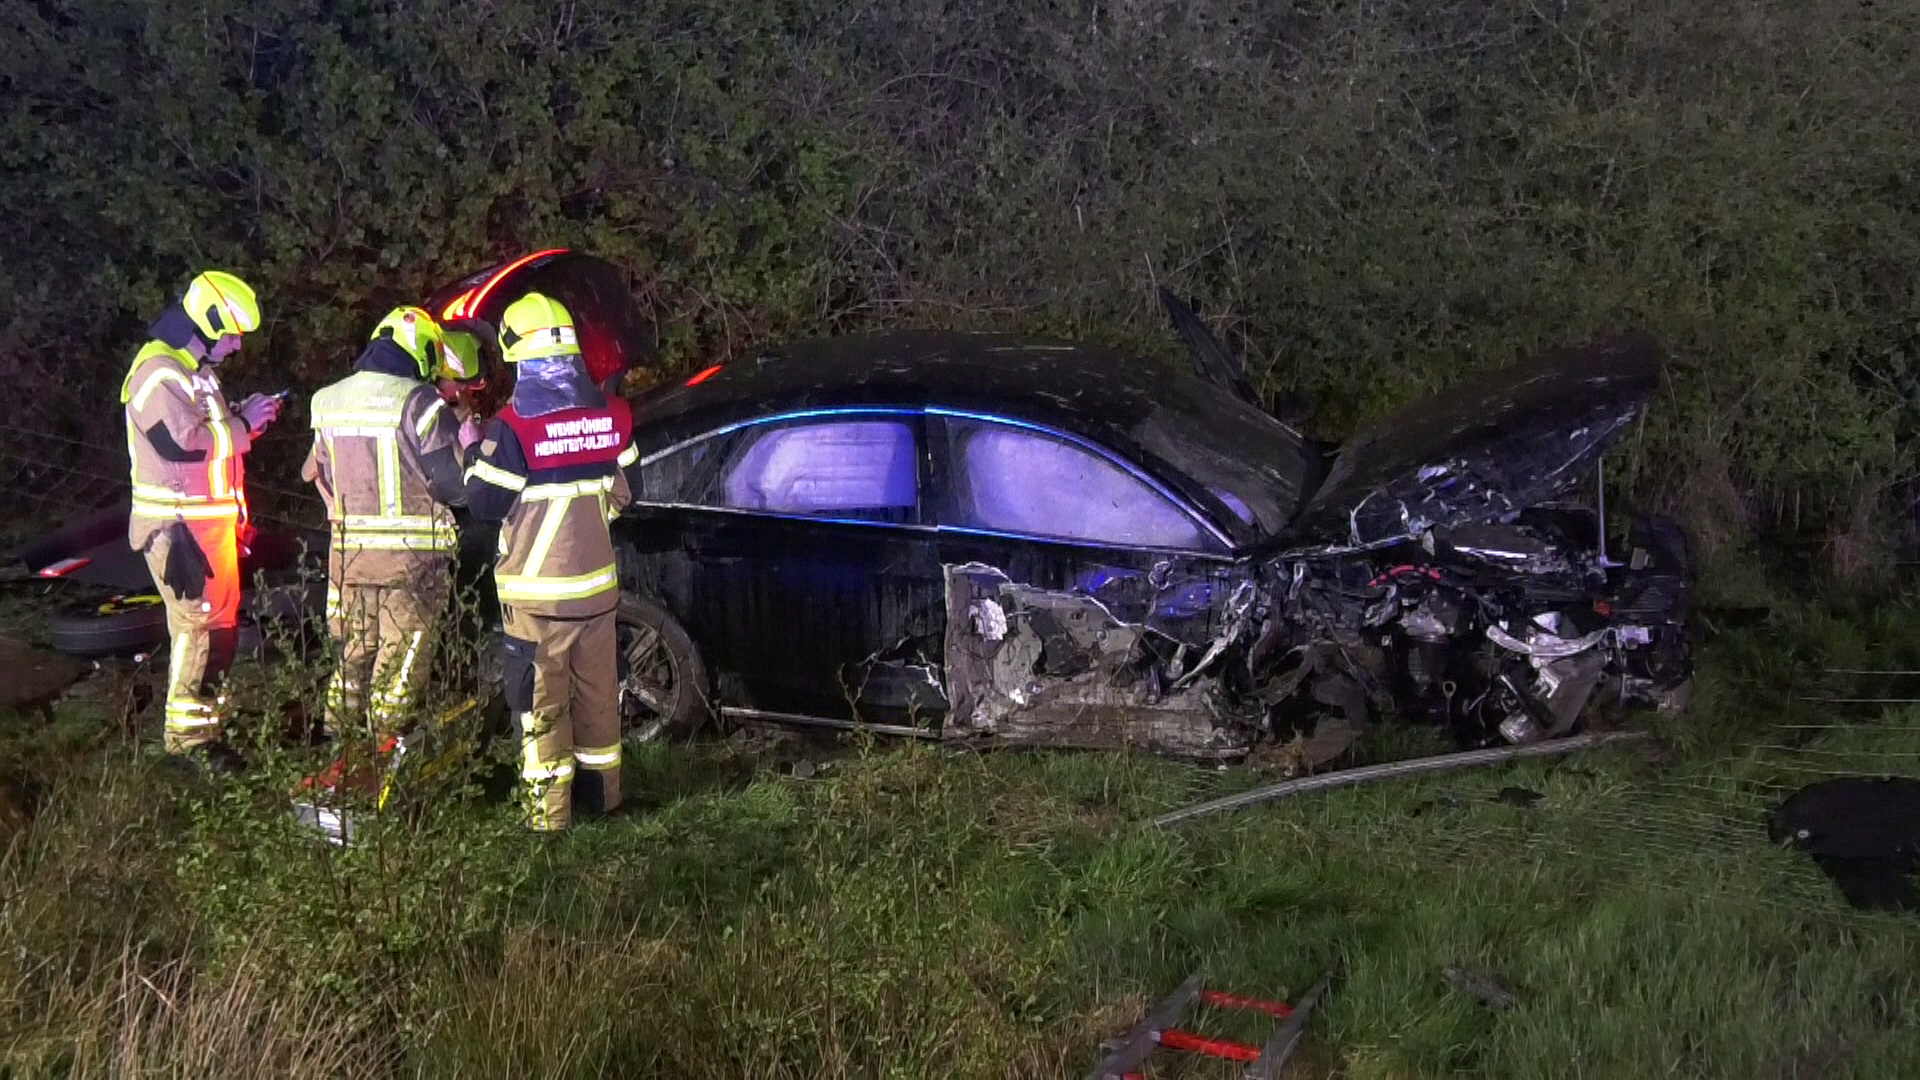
795,551
1085,601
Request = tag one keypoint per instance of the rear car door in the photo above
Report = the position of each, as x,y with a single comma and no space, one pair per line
1085,600
795,551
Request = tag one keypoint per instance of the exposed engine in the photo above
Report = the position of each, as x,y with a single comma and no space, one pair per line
1509,632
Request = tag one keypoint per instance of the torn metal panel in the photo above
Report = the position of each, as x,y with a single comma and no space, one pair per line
1507,547
1486,449
904,679
1030,665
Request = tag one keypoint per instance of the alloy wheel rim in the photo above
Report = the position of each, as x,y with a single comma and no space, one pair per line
649,688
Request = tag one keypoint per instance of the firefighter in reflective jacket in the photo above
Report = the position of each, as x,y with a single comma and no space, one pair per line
552,468
386,459
189,498
462,379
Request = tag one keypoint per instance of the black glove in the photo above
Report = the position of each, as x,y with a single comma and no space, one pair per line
187,565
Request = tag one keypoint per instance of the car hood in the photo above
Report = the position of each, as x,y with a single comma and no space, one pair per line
1485,449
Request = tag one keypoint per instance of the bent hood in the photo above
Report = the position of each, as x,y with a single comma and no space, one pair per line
1485,449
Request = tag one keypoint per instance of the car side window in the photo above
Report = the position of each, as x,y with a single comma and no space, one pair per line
681,476
1016,480
866,470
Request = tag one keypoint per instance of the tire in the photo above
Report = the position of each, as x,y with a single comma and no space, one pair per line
123,626
664,692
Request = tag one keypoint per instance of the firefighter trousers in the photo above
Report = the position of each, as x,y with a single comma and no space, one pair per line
385,635
202,631
562,683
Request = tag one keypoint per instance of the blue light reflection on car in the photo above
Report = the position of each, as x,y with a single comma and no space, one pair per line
940,411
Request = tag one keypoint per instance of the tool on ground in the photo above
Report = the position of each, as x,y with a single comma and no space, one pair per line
1391,769
319,805
1128,1055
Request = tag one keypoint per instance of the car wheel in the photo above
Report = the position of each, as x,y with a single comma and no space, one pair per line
663,684
122,626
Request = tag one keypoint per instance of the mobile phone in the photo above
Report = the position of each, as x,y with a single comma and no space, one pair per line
284,396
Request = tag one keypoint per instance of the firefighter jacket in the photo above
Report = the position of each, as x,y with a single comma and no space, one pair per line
185,444
554,482
386,459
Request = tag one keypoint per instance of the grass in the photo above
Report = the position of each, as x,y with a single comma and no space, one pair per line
913,911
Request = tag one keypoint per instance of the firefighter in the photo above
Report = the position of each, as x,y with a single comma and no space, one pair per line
386,460
552,469
461,372
187,445
462,379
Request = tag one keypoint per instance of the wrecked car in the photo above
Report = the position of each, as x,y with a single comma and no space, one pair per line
980,537
1009,541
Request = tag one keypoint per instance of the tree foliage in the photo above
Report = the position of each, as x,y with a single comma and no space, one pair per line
1371,196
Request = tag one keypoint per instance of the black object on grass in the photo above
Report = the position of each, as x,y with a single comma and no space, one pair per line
1863,832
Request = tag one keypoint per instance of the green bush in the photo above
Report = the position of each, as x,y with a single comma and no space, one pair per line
1372,198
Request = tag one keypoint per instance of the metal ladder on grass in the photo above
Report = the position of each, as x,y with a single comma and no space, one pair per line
1127,1055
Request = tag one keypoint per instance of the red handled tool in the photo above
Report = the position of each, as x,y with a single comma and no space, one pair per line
1126,1056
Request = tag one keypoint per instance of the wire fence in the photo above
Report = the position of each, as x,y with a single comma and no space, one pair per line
48,478
1696,822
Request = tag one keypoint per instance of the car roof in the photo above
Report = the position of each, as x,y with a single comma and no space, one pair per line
1189,433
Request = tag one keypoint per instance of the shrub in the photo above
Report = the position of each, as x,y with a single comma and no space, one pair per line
1372,197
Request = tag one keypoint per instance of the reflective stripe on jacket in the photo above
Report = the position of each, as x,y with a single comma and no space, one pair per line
555,482
184,446
373,436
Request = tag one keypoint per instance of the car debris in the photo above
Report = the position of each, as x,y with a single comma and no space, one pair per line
993,540
1394,769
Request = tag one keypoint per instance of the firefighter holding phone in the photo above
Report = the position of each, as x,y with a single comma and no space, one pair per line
187,448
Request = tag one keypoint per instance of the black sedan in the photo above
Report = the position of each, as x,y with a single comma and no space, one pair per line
983,537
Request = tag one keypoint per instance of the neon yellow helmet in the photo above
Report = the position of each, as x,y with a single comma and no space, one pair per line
220,304
535,327
460,358
418,336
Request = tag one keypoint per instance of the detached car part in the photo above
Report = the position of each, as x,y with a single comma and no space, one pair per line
1465,759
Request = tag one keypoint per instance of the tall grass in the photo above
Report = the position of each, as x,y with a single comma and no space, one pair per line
921,913
911,910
